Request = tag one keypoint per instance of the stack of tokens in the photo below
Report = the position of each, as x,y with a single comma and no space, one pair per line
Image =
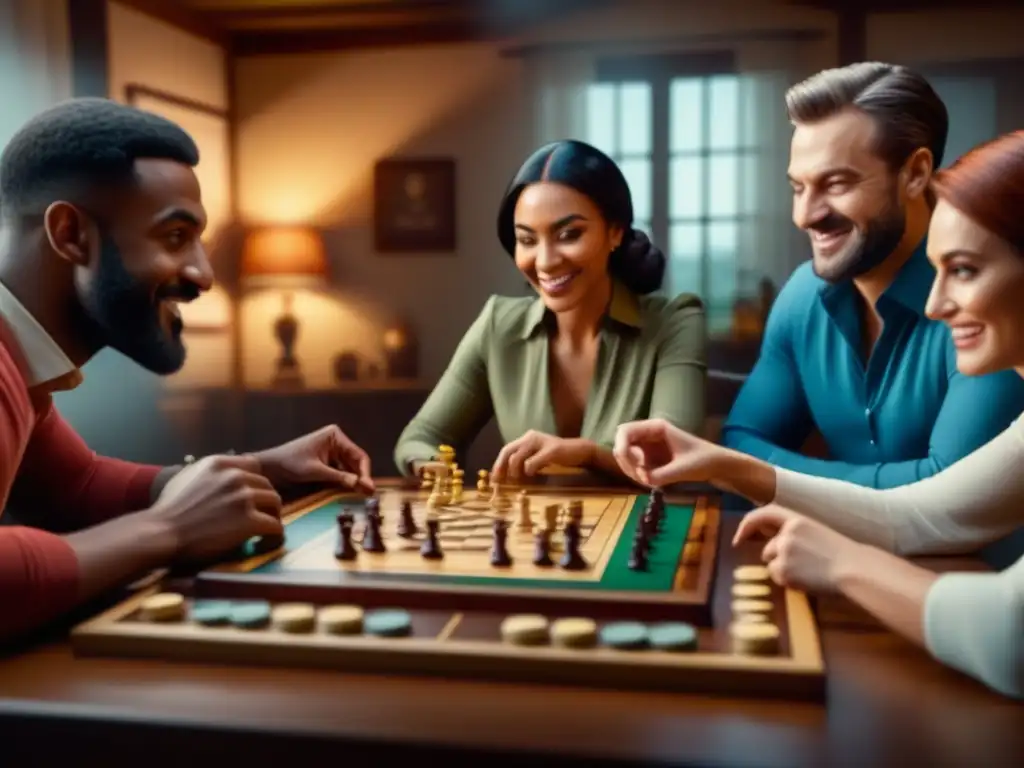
341,619
525,629
166,606
294,617
752,631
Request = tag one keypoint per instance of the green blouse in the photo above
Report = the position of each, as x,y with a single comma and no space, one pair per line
652,363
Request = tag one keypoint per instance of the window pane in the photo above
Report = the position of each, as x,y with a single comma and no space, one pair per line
638,176
686,187
685,258
634,119
601,116
724,112
724,187
722,277
686,114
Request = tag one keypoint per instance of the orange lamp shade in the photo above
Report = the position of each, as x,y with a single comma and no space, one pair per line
284,251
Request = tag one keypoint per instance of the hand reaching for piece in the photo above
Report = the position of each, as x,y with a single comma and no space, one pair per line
801,553
217,504
656,453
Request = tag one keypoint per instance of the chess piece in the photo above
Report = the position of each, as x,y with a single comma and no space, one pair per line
345,549
406,524
431,548
428,479
542,547
638,556
373,541
572,560
457,484
482,485
525,520
500,557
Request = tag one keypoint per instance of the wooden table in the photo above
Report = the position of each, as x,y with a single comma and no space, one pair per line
889,704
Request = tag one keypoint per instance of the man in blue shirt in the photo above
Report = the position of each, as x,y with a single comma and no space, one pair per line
848,348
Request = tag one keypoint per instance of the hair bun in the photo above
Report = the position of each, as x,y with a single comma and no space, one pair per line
640,264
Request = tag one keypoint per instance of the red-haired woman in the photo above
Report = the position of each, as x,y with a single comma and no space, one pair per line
831,536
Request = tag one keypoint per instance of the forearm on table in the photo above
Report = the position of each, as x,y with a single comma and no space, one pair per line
743,475
891,589
120,550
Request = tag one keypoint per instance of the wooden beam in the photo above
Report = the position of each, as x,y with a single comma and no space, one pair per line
87,27
325,40
177,15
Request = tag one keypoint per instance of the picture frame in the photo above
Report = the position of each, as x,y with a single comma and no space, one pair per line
414,205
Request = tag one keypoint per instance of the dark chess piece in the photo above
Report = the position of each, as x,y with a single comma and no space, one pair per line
542,548
572,560
373,541
638,556
640,540
500,557
345,550
431,548
406,524
372,506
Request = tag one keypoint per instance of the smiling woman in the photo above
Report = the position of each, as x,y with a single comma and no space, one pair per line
594,348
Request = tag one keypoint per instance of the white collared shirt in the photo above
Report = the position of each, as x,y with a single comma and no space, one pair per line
43,362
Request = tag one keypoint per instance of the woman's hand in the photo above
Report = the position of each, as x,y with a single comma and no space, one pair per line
656,453
800,554
531,453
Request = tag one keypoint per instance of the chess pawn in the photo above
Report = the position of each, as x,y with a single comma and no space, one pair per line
444,492
500,557
482,486
525,520
457,486
542,547
431,547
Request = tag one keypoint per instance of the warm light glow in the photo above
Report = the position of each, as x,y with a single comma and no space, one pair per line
328,326
281,251
394,339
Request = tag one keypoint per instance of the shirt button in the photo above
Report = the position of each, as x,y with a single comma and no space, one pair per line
867,411
872,442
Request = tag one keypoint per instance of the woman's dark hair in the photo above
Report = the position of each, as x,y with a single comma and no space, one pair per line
638,264
987,184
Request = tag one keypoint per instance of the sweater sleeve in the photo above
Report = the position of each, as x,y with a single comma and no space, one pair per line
972,622
969,504
38,579
78,488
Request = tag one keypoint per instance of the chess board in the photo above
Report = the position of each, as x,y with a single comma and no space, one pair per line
675,581
457,610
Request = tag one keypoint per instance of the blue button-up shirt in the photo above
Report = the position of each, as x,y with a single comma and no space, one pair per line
903,414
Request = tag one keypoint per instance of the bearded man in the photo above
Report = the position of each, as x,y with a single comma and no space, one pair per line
847,349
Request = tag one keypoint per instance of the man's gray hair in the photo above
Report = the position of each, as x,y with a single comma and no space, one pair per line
908,112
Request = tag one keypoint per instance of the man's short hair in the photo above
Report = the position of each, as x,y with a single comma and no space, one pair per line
69,149
906,109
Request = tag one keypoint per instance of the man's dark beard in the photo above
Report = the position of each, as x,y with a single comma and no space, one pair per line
880,239
120,312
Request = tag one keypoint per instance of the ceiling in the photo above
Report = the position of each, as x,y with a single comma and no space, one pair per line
251,27
290,26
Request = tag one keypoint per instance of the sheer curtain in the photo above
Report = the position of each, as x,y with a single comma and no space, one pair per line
35,60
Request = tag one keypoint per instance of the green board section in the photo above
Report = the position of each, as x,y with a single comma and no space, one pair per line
659,575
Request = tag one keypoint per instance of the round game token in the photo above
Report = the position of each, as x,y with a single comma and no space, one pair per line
391,622
211,613
341,619
166,606
294,617
250,614
757,639
625,635
751,606
574,633
674,636
751,590
525,629
751,573
751,618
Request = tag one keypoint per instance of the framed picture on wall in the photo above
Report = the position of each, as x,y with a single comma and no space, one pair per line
414,205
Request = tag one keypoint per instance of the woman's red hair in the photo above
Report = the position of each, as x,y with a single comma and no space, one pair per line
987,185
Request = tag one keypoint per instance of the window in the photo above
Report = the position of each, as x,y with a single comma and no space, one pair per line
681,141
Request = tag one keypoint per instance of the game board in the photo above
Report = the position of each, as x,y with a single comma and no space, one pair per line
455,616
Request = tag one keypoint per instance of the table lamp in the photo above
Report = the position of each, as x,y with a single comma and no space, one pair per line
276,257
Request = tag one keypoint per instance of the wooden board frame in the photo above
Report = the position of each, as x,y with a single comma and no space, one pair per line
798,673
690,600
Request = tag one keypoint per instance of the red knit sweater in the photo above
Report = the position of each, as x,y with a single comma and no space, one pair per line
49,470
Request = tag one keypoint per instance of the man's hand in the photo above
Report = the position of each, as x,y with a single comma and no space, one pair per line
215,505
324,456
801,553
